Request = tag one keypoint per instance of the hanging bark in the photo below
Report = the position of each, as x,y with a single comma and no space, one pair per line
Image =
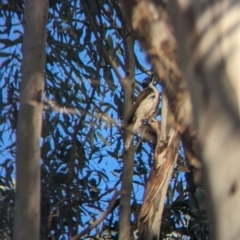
27,198
150,216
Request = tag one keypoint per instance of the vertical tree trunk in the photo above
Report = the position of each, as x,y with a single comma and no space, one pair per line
208,34
128,158
27,198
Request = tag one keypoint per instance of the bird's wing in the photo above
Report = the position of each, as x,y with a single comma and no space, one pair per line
130,117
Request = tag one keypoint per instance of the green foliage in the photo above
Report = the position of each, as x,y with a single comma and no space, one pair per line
81,145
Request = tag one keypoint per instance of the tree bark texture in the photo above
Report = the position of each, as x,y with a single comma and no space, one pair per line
150,216
27,198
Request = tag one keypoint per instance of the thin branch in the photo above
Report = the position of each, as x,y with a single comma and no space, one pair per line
52,105
100,219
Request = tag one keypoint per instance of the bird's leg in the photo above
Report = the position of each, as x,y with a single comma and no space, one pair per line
141,137
146,121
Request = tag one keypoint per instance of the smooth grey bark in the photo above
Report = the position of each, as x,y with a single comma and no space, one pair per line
27,197
208,34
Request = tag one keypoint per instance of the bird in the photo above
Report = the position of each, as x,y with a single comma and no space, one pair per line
144,109
151,131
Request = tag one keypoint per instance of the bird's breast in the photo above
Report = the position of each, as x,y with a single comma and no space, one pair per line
148,106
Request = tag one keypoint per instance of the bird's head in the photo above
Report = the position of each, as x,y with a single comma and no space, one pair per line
147,81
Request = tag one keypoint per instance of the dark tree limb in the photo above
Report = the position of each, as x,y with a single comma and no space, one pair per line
100,219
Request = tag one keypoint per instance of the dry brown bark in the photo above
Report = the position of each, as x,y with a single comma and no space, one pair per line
165,157
27,198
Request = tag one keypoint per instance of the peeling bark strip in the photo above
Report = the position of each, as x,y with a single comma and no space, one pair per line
27,199
150,216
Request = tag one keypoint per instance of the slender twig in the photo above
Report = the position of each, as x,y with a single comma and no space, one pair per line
100,219
52,105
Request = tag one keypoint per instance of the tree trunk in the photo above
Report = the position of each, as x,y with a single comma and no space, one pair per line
208,34
128,158
27,198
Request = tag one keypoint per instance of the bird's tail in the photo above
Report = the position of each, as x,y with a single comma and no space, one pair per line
129,132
